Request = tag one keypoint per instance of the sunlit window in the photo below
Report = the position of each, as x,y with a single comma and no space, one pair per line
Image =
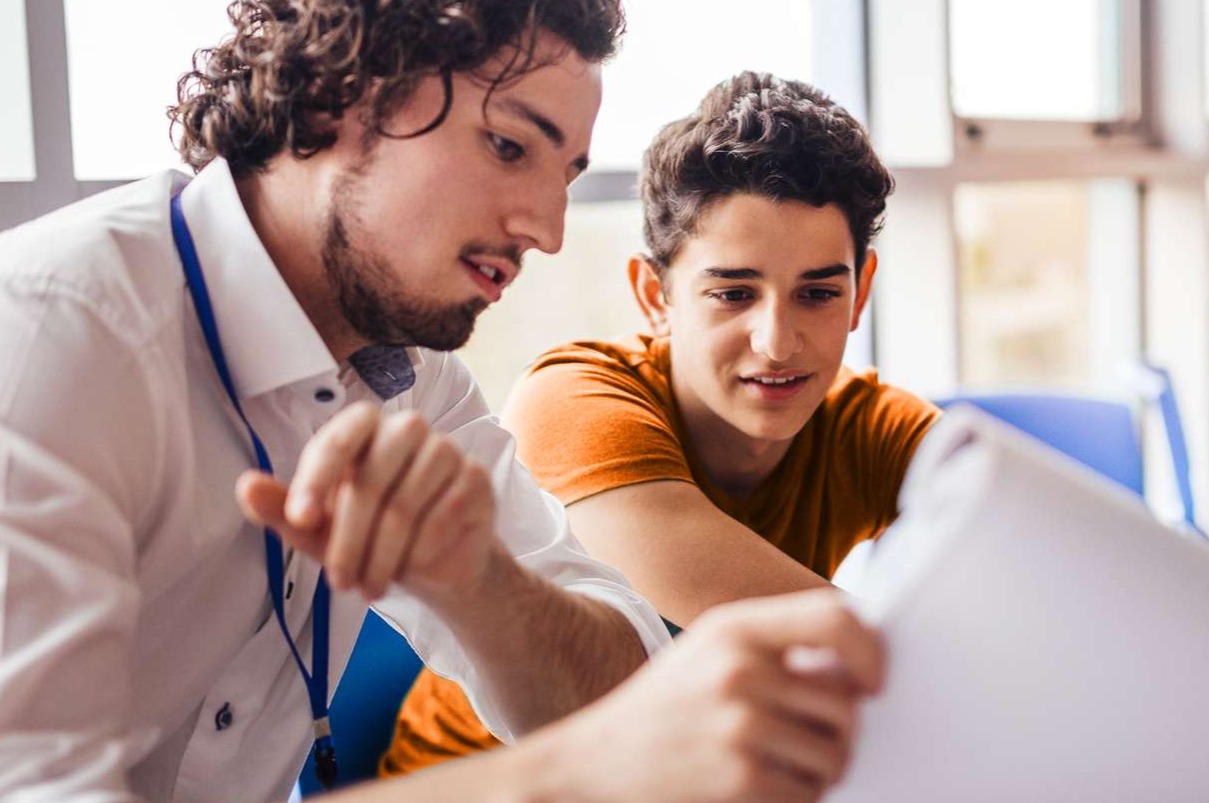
675,50
124,58
16,119
1047,281
1036,59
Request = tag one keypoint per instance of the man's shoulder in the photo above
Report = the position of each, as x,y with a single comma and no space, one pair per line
107,252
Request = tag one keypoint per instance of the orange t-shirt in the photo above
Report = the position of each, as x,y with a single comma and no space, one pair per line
590,417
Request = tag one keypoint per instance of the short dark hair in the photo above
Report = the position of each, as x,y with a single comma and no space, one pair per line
293,66
759,134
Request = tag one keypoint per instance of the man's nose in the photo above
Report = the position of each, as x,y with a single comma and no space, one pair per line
538,217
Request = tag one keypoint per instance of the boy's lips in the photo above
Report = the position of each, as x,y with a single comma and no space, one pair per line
776,385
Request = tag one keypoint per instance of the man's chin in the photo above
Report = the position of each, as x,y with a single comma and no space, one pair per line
447,332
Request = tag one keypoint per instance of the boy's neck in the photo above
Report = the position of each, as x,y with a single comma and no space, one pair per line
733,461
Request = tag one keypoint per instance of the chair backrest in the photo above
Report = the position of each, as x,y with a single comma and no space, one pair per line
1162,393
1101,434
379,673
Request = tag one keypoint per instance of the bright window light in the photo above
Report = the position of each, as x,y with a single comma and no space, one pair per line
1048,282
16,118
1036,59
124,58
675,50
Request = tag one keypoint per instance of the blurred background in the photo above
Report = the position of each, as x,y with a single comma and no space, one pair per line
1049,229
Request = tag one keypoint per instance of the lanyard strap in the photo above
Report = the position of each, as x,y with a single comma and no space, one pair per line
316,683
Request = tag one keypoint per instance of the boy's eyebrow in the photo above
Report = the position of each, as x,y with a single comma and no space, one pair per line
549,129
838,269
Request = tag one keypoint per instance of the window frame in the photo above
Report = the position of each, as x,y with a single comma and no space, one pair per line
1161,142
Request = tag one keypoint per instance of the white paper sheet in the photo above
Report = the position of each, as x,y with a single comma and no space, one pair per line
1048,639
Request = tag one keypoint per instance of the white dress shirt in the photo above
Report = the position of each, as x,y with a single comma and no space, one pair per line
133,598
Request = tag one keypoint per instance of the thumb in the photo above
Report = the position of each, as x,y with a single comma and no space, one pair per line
814,619
262,499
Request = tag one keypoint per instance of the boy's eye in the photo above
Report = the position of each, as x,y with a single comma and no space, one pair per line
820,294
506,149
731,296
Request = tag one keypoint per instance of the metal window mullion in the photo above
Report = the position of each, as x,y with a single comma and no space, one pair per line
55,184
1130,43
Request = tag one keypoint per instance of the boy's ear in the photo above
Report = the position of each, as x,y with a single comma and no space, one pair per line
863,288
648,292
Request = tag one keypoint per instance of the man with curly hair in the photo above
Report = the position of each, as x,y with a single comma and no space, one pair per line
369,174
728,454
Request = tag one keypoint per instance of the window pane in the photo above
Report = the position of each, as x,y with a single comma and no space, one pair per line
675,50
579,293
120,93
1036,59
16,121
1048,287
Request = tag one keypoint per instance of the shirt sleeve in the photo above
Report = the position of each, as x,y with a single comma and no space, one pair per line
532,524
586,424
74,418
888,427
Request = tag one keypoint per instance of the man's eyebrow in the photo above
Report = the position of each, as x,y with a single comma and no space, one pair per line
549,129
518,108
838,269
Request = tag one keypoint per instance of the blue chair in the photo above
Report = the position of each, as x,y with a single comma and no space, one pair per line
380,671
1101,434
1163,394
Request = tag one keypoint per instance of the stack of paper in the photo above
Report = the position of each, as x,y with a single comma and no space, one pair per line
1048,640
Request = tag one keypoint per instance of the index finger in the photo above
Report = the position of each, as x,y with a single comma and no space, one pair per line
817,618
326,459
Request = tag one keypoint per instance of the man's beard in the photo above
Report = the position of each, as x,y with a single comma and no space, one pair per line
375,305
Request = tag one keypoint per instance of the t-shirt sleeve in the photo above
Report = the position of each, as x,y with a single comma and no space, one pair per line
586,422
887,427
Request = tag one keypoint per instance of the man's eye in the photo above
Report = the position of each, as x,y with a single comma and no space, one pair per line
505,149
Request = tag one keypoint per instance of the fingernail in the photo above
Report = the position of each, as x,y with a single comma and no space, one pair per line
811,660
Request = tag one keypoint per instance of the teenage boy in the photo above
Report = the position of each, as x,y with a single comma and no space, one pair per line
369,174
730,454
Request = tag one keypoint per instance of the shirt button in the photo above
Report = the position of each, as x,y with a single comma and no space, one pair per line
224,717
324,395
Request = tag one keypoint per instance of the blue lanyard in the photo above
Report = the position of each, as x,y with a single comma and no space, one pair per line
316,684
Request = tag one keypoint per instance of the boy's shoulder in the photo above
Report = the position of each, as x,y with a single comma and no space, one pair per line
629,353
860,395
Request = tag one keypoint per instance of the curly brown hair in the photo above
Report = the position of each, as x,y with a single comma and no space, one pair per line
759,134
293,67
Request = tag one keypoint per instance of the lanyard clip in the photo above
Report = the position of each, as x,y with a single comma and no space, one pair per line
326,769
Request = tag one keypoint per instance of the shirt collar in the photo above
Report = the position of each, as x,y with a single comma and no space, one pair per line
268,340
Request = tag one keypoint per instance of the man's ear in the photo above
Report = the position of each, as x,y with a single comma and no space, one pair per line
648,292
863,288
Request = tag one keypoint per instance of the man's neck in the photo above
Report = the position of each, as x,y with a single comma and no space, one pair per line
283,206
